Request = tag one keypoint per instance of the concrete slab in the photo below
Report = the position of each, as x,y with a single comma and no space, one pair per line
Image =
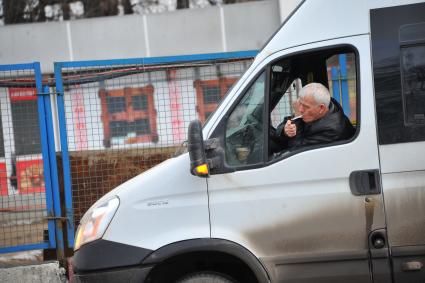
41,273
24,258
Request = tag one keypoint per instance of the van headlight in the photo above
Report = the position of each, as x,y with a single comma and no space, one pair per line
94,223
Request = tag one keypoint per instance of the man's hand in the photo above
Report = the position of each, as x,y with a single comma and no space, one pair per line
290,129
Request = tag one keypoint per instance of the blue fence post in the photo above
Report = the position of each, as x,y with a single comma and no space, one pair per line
47,168
51,145
335,84
50,194
344,84
65,155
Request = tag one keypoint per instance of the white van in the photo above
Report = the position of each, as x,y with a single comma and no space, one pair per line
346,211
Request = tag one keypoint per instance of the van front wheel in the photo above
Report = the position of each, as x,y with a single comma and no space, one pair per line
206,277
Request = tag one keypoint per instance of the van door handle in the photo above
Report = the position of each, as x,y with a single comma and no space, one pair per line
365,182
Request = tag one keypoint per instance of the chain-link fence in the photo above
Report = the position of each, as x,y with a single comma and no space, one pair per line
123,117
25,198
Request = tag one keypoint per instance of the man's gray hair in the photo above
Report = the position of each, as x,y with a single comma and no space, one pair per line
319,92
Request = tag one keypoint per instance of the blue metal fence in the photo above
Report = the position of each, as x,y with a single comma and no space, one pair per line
28,196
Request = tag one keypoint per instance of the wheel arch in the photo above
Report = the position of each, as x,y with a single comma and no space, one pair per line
208,249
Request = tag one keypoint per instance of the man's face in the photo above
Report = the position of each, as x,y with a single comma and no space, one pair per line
310,109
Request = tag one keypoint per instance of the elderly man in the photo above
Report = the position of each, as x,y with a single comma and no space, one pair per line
323,120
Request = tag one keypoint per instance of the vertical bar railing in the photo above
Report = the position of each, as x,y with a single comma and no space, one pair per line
45,153
53,172
65,155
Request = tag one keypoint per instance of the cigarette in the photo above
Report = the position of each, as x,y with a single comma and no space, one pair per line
297,117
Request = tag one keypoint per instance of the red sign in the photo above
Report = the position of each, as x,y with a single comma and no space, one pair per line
30,175
3,180
21,93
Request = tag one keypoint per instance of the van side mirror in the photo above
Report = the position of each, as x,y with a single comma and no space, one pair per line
195,146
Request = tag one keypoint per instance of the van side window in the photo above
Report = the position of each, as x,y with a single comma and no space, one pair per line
412,53
398,55
335,69
244,137
253,131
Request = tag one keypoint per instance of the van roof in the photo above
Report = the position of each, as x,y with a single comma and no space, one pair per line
318,20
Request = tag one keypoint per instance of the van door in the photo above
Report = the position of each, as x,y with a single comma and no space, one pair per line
398,47
295,209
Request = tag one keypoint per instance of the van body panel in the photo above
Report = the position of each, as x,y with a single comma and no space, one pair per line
165,205
307,25
398,48
403,180
404,202
375,4
402,157
294,215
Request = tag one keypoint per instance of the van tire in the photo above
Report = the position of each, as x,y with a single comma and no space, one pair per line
206,277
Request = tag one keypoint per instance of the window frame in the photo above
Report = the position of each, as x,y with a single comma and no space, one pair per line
219,131
16,97
342,48
129,114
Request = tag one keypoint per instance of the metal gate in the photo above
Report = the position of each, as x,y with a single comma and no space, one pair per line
30,212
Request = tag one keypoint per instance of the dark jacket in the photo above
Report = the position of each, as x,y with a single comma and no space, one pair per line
334,126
